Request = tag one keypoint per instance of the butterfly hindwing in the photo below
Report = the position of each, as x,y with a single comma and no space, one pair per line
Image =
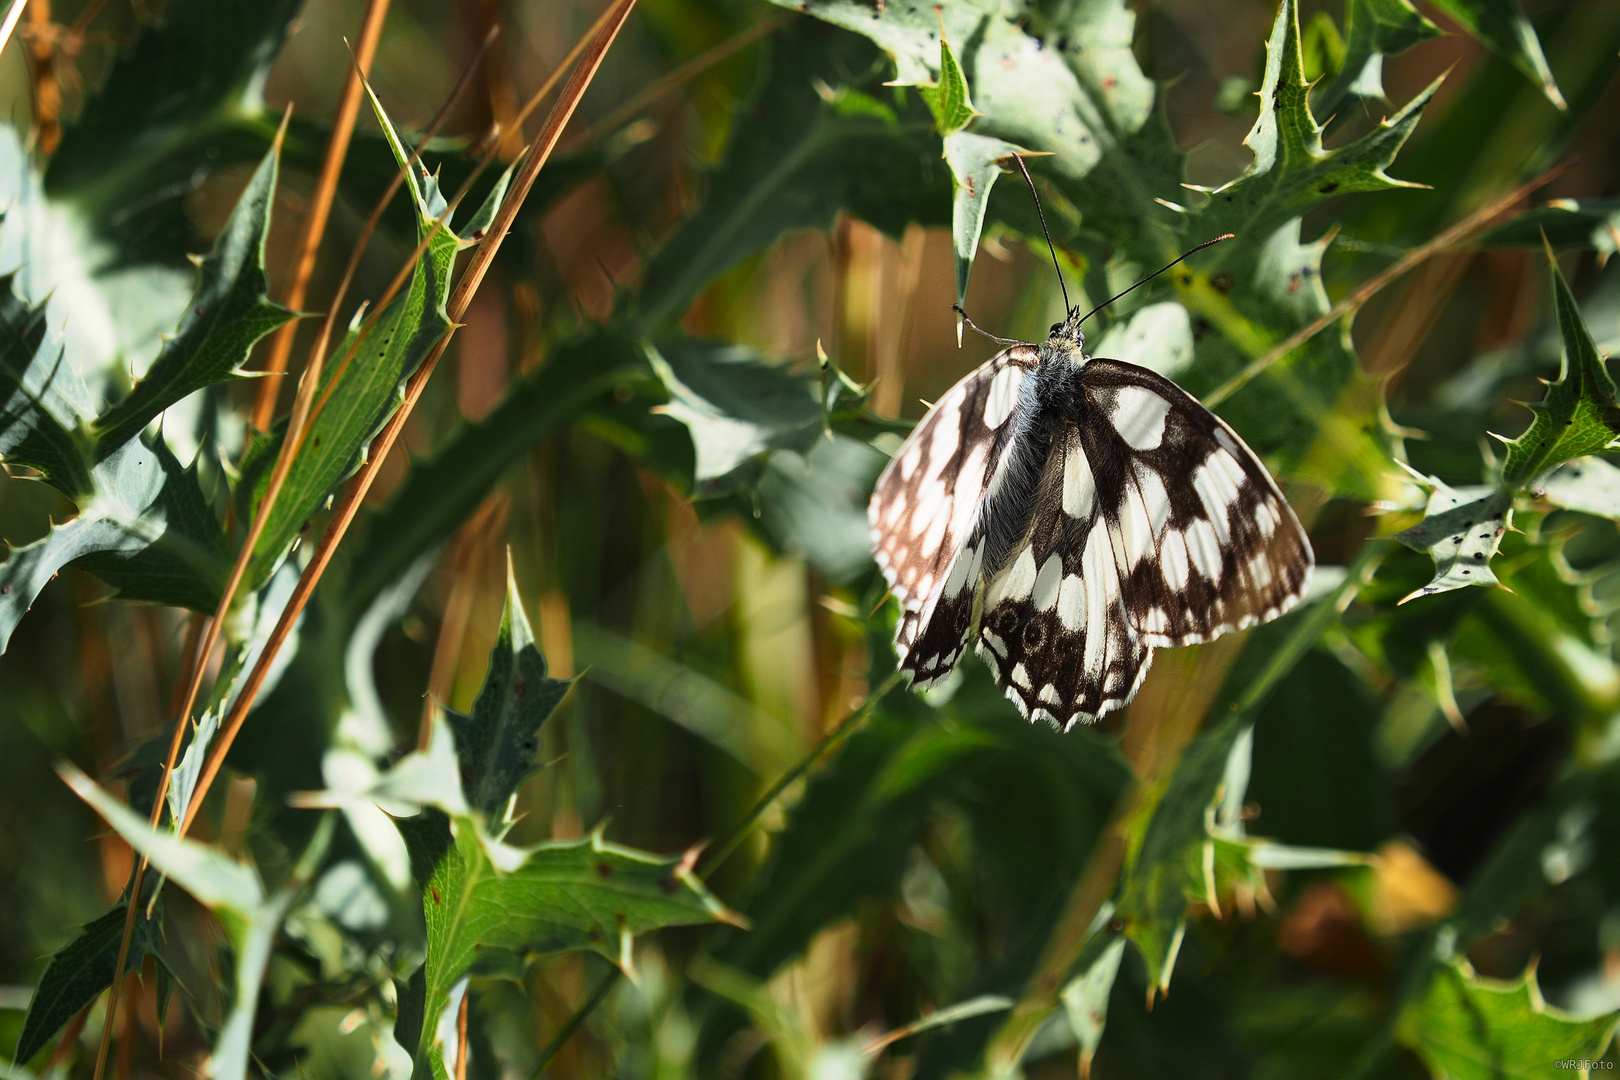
1054,627
926,507
1204,543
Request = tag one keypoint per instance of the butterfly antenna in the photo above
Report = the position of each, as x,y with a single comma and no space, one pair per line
1156,273
1046,232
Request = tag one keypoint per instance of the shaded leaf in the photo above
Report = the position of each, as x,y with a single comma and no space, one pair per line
497,741
229,889
39,426
1567,224
442,490
736,407
1465,1027
80,970
188,770
794,161
146,529
1085,1000
230,310
1502,27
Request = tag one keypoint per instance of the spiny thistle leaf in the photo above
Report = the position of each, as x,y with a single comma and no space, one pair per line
40,428
1501,26
145,527
496,742
975,162
1465,1027
230,311
948,98
1578,415
1291,169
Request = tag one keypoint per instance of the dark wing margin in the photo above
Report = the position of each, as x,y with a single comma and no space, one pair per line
1204,542
925,508
1054,627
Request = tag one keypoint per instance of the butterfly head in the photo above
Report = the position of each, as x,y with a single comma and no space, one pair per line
1067,335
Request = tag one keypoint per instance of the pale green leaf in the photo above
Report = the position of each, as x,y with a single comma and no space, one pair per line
1501,25
1465,1027
975,162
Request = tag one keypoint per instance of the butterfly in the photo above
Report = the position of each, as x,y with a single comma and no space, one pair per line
1069,514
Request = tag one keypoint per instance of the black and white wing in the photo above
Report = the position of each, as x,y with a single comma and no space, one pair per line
1203,541
1054,626
925,511
1153,525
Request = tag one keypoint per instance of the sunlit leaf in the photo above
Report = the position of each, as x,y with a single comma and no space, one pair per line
975,162
1465,1027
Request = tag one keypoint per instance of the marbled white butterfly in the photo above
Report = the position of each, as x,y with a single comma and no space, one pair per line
1070,514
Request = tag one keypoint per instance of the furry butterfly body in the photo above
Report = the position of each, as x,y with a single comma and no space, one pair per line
1066,515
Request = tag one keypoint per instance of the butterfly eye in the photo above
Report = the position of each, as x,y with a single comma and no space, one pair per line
1055,328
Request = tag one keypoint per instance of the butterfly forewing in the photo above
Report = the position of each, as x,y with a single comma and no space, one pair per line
926,507
1204,543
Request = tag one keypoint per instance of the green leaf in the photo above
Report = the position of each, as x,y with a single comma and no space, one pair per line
1502,27
80,970
975,162
1578,415
188,770
1291,169
229,889
146,529
1567,224
736,407
442,490
202,67
1461,529
948,99
363,392
1373,29
230,310
497,741
793,162
1465,1027
1164,840
40,427
1085,1000
1590,485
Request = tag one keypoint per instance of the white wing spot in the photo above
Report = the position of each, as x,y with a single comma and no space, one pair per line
1015,582
937,525
1019,676
947,436
1048,583
1079,488
993,640
1138,415
1049,695
1135,530
1173,560
1097,567
1260,570
909,459
1155,498
1071,606
1003,395
1204,549
1155,621
1211,492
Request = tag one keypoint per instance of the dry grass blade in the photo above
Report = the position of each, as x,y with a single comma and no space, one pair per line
349,503
320,208
10,24
1462,232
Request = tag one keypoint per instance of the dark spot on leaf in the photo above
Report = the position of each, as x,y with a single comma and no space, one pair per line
1328,188
520,688
1465,573
669,885
1479,556
1186,279
434,889
603,870
5,590
594,935
620,916
1222,282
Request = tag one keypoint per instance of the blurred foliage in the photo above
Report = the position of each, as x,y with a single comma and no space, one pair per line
538,784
